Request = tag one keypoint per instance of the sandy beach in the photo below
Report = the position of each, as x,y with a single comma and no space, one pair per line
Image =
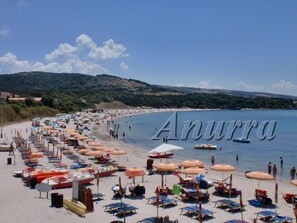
22,204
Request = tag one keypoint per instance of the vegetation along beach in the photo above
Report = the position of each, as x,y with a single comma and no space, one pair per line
148,111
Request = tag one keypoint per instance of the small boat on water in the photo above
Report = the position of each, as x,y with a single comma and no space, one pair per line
65,181
241,140
161,155
206,146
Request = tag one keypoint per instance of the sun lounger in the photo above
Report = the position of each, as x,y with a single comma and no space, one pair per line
163,201
205,213
282,219
228,205
193,210
114,206
290,197
265,215
153,199
97,196
235,221
255,203
126,210
147,220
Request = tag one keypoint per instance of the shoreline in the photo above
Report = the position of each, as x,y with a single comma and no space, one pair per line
19,196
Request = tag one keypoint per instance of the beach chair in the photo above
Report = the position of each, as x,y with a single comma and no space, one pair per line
223,190
289,197
124,210
235,221
147,220
153,199
189,210
205,213
282,219
190,195
176,189
168,202
222,203
114,206
265,215
255,203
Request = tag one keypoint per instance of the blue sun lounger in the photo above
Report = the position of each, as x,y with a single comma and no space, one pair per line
126,210
193,210
266,215
282,219
147,220
235,221
114,206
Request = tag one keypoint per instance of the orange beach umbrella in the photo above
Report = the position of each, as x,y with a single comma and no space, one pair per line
192,163
134,172
166,167
95,144
93,153
193,171
83,151
118,152
258,175
222,168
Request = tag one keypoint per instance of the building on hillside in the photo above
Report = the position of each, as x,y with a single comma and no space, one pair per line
36,99
4,95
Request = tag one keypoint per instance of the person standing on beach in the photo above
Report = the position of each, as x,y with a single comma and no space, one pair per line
237,158
274,171
281,162
269,168
212,160
292,173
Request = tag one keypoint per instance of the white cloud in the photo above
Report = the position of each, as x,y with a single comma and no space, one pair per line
109,50
70,58
4,32
249,87
283,85
124,66
201,84
63,52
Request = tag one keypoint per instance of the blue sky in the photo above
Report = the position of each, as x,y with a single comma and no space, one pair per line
245,45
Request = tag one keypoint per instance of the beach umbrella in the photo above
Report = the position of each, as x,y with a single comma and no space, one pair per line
93,153
74,134
95,144
230,186
101,148
222,168
276,193
134,172
193,171
241,204
258,175
83,151
157,201
82,137
87,140
200,212
192,163
165,167
294,182
108,150
197,192
118,152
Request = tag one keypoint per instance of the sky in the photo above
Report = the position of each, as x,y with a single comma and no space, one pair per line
248,45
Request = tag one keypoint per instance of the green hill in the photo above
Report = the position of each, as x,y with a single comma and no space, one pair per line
68,92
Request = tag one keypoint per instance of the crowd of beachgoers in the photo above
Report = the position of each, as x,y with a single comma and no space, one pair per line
126,185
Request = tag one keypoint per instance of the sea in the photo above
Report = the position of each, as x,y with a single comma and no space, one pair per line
274,136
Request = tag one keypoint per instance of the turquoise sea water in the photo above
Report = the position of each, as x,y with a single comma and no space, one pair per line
252,156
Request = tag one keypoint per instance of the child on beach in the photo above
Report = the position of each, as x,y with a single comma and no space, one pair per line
274,171
269,168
